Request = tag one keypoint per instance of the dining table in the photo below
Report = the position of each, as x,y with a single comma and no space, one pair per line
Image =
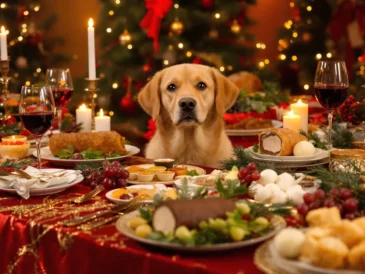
33,240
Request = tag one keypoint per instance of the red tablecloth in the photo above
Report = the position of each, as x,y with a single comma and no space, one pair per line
104,250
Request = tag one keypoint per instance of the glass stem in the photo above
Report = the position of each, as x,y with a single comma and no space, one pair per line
59,111
330,117
38,145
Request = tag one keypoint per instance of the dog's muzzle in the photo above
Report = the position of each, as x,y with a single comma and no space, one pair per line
187,109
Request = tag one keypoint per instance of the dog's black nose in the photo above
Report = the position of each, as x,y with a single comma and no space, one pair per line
187,104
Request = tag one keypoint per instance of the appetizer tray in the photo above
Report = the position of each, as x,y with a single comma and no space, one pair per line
47,155
251,132
155,180
123,227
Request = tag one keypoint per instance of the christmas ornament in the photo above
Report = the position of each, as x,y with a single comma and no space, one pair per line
157,10
177,27
213,34
235,27
306,36
21,62
125,38
127,103
207,4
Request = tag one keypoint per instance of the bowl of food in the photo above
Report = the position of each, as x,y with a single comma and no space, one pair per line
168,163
157,168
145,176
165,175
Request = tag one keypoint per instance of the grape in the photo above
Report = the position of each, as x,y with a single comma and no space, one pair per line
118,172
108,183
182,233
350,216
334,192
320,194
351,204
78,156
143,230
309,198
255,176
124,197
248,179
329,202
237,233
345,193
109,172
116,164
136,222
87,172
314,205
340,208
251,166
100,173
125,174
121,182
242,173
93,184
303,209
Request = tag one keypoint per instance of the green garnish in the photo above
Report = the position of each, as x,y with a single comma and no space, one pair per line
91,154
255,148
66,153
192,172
69,153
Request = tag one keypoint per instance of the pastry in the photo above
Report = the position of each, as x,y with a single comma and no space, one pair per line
171,214
323,216
105,141
360,222
356,257
331,253
246,80
251,123
348,232
279,141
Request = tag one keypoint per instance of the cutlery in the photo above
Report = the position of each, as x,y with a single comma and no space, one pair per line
88,196
27,176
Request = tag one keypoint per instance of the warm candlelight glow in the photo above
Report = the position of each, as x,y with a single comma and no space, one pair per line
290,113
13,137
300,102
83,106
83,116
91,23
101,112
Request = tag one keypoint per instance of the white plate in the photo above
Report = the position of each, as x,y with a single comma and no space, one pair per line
159,187
47,155
320,155
156,181
295,266
251,132
48,190
123,227
191,183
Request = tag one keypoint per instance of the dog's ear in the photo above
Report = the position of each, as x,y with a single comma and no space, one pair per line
149,96
226,92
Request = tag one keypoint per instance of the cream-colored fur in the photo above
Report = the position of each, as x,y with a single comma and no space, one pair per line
200,142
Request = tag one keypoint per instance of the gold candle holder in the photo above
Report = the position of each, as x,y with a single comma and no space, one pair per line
4,70
92,90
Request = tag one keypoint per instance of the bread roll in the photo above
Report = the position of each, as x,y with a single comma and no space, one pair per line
323,216
246,80
348,232
356,257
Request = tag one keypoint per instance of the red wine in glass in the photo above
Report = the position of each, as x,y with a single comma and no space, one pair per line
62,96
38,123
331,96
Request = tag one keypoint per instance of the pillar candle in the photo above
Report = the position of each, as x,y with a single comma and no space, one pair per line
83,115
102,122
301,109
91,49
291,121
3,44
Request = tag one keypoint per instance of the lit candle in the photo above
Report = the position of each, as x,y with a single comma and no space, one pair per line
83,115
91,49
301,109
291,121
102,122
3,44
14,138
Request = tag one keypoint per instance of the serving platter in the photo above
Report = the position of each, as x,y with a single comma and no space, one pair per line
123,227
251,132
199,170
47,155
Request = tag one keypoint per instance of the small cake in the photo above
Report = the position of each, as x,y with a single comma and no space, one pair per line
14,147
356,256
323,216
289,242
304,148
348,232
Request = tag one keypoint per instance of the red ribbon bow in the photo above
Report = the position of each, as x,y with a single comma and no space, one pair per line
157,10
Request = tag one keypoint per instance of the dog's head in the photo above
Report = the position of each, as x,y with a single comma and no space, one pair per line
188,93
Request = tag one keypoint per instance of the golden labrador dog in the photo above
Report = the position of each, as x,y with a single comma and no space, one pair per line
188,102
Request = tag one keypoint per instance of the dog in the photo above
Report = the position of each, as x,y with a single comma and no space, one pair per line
188,102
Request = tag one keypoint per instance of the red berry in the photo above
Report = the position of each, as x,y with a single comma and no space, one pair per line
350,216
116,164
93,185
124,174
329,202
345,193
118,172
108,183
309,198
340,208
248,179
314,205
242,173
121,182
124,197
255,176
303,209
334,192
251,166
351,204
109,172
320,194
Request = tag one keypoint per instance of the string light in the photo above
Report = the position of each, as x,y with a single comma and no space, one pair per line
294,58
117,2
27,83
261,64
329,55
12,43
111,12
260,46
217,16
180,45
295,34
291,4
111,113
288,24
115,85
36,8
16,75
20,38
24,26
188,54
267,61
166,62
306,86
229,67
39,70
221,69
309,8
108,30
3,5
95,95
35,74
282,56
130,46
318,56
309,21
176,6
26,13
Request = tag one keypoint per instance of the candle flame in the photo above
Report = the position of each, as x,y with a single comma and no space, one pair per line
101,112
83,107
291,113
299,102
2,29
91,22
13,137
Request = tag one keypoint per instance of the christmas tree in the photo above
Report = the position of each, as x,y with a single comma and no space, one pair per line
141,37
303,40
29,51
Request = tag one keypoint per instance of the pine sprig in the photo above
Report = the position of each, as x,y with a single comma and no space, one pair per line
258,209
317,142
341,137
16,164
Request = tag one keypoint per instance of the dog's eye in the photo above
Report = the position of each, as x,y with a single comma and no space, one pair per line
171,87
201,86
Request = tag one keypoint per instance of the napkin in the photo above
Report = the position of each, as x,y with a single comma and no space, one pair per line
40,179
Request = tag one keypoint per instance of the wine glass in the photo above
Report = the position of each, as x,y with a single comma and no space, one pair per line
61,83
37,110
331,86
